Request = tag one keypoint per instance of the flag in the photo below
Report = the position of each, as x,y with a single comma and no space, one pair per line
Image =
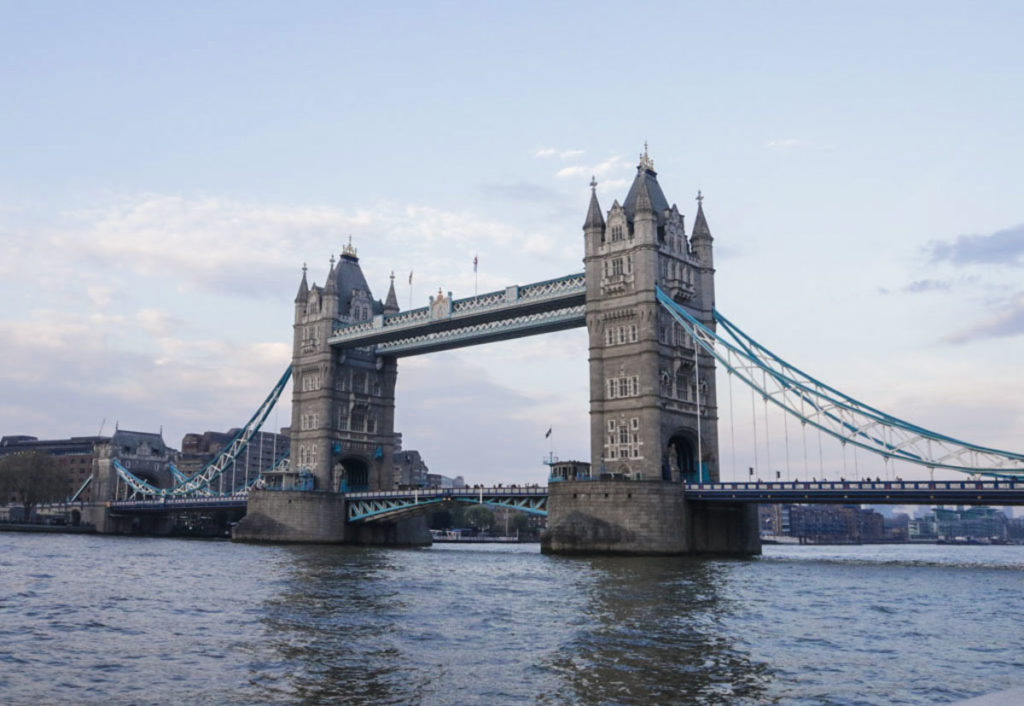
474,263
410,276
548,434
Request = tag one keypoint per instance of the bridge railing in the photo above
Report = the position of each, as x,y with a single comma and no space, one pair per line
1010,484
512,296
503,491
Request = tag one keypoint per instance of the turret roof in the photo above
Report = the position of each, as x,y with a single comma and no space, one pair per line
700,223
595,219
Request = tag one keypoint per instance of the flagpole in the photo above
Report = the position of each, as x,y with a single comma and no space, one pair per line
475,280
410,289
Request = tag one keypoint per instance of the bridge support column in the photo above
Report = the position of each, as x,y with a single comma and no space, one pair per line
318,517
643,518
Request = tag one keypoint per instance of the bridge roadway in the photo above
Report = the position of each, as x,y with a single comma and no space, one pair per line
373,506
519,310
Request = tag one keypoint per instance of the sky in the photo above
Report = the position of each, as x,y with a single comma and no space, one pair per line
167,168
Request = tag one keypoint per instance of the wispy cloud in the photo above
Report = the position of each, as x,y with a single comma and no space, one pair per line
610,165
1005,322
1004,247
562,154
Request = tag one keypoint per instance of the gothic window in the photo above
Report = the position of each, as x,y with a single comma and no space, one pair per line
359,382
623,435
343,419
632,333
358,419
617,266
611,425
371,424
302,456
616,233
312,455
634,423
609,336
629,264
622,334
635,385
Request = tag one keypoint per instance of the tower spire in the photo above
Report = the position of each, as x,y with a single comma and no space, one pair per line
303,287
594,217
700,223
391,301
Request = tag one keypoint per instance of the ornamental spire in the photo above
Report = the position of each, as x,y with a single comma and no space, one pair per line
645,160
594,217
700,223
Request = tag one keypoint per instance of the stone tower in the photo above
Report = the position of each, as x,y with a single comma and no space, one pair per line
343,401
653,411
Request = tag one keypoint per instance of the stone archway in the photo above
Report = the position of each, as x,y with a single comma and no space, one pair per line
682,458
355,475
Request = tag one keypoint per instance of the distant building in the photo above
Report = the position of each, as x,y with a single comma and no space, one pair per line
774,519
410,469
831,523
569,470
74,456
265,449
436,480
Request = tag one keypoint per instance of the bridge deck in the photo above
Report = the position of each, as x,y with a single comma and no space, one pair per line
968,492
377,505
516,311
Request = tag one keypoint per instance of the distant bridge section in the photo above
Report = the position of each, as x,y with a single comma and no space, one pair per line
967,492
516,311
388,504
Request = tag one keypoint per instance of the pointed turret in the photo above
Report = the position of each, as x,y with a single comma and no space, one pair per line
391,302
594,217
332,285
303,288
700,223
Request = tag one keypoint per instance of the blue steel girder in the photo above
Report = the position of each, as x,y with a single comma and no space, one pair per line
879,492
525,310
391,504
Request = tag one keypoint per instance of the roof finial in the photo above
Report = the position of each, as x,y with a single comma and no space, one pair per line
303,269
593,183
700,198
348,249
392,278
332,261
645,161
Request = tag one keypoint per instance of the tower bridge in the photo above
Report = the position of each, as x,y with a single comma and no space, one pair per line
647,299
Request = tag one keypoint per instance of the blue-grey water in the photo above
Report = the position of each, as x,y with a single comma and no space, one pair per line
88,619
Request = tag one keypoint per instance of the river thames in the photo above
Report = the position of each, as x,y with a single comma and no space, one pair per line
89,619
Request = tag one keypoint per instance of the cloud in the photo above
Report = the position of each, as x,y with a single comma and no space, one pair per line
1004,247
920,286
1008,321
552,152
784,144
612,164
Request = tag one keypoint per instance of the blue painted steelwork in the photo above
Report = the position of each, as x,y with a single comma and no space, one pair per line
390,504
199,484
517,311
963,492
838,415
80,490
167,504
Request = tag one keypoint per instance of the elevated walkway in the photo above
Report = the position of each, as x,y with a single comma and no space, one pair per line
517,311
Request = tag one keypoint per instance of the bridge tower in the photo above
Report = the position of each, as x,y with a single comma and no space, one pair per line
343,420
343,401
653,409
653,412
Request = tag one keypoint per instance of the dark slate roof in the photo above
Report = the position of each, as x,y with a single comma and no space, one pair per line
391,303
133,439
645,190
594,217
348,275
700,224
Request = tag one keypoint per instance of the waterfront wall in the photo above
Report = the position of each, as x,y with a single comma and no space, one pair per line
319,517
644,518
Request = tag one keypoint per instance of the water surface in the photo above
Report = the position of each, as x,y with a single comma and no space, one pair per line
128,620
